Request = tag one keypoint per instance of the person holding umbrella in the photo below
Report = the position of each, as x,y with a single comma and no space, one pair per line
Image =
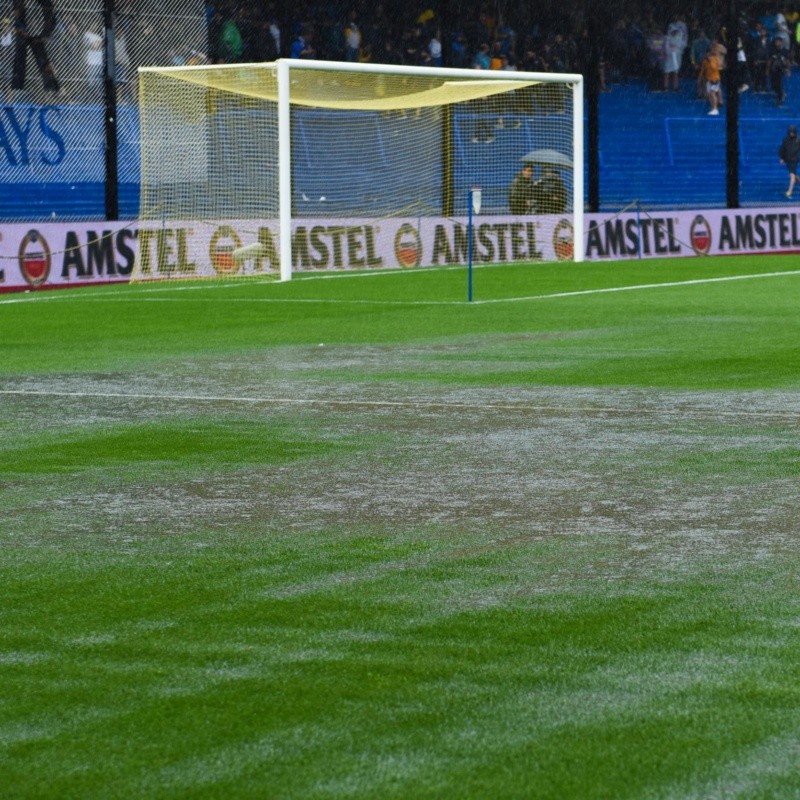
548,194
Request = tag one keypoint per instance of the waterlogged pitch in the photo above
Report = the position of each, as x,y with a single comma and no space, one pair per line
358,537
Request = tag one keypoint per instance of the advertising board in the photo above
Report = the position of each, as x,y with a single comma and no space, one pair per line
50,255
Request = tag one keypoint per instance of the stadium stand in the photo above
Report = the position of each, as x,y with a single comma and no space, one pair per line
665,151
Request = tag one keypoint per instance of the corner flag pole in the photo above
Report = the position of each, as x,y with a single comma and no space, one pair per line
473,207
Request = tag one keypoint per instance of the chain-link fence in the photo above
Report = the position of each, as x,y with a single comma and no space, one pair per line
60,117
53,132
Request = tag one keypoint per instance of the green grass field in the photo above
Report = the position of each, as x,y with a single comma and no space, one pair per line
355,537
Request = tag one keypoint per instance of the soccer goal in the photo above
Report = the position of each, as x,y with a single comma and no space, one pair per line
293,165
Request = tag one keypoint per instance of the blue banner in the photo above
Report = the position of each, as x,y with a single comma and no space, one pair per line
52,160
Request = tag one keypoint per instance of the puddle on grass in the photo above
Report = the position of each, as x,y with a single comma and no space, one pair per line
674,475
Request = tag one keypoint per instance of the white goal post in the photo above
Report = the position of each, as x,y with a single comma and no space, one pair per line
296,165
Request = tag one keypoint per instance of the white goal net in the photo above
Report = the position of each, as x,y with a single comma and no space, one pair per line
270,169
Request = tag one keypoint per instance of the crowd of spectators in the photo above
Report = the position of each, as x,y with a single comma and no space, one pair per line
390,33
662,43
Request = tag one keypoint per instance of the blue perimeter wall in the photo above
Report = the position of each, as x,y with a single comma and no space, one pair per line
52,162
661,149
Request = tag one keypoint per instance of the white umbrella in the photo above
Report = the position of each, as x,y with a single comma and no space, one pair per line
551,158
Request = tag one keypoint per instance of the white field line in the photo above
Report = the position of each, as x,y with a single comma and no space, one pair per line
692,282
413,405
144,297
59,294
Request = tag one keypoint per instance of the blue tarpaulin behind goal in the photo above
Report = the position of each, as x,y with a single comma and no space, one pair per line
660,149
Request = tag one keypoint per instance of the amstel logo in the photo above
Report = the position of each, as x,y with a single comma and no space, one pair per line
563,240
408,246
224,241
34,258
700,235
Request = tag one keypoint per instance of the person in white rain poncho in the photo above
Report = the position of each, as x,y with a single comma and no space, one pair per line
675,43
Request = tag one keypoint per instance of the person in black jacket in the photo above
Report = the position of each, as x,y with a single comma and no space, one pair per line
35,40
521,192
789,154
549,192
779,67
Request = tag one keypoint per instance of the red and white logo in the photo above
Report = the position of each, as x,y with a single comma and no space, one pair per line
564,240
34,258
408,246
700,235
224,241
